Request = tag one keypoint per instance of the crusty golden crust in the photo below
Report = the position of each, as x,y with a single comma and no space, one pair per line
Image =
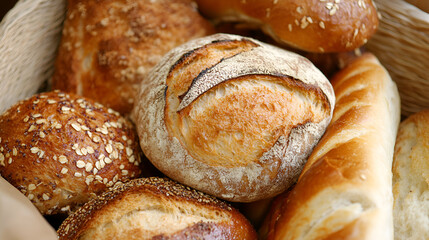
345,189
108,47
232,116
136,206
59,149
310,25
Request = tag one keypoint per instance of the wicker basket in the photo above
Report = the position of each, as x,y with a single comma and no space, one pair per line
29,36
402,45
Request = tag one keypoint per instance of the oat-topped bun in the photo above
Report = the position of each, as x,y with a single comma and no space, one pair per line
155,208
232,116
109,46
59,149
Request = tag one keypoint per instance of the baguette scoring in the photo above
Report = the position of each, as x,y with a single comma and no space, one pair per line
232,116
345,188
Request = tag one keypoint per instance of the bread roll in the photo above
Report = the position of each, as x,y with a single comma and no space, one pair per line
61,149
411,178
109,46
345,189
232,116
155,208
310,25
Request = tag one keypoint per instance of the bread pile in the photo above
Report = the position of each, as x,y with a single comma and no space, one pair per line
230,124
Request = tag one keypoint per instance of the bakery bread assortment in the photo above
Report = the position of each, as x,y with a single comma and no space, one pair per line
232,116
61,149
310,25
109,46
230,102
155,208
411,178
345,189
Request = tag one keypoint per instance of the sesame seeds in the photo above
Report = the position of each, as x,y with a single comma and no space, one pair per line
65,109
2,160
64,170
88,167
34,150
304,22
80,164
45,197
32,128
107,160
322,25
76,126
26,118
109,148
129,151
31,186
62,159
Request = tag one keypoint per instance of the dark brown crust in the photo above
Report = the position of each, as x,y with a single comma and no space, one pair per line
58,149
108,47
236,227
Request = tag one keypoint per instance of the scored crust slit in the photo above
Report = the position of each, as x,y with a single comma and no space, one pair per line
231,116
345,188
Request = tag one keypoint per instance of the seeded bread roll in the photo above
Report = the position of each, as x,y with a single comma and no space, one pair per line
411,178
309,25
155,208
109,46
232,116
345,189
61,149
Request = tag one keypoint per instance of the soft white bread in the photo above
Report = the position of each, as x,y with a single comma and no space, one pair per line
59,149
232,116
345,189
411,178
155,208
310,25
109,46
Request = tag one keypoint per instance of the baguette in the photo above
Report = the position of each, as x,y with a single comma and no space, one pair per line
345,189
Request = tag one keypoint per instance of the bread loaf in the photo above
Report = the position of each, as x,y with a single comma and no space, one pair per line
411,178
345,189
310,25
155,208
232,116
61,149
109,46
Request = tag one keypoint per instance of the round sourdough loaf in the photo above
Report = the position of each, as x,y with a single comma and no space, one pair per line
61,149
155,208
232,116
